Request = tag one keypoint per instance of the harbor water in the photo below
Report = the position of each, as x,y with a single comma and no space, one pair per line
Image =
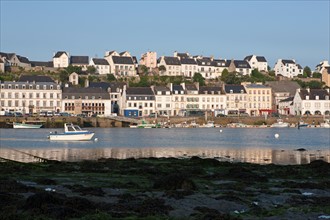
253,145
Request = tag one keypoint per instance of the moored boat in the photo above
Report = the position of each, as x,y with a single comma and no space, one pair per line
71,133
302,124
28,124
280,124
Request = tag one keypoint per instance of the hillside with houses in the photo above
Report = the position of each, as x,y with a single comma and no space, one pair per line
177,85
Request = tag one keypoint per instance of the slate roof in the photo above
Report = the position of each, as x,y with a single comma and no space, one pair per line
100,61
204,62
1,61
28,85
261,59
183,55
83,92
209,89
288,62
116,85
122,60
103,85
220,63
41,63
235,88
188,61
248,58
191,87
299,67
283,86
242,64
139,91
177,88
79,60
23,59
172,61
290,99
313,93
59,53
29,78
7,55
134,60
162,89
257,86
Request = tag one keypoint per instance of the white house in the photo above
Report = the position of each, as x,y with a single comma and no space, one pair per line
171,64
140,100
219,66
178,99
101,65
121,64
257,62
82,61
188,67
237,99
206,67
2,66
74,78
31,94
61,59
287,68
163,97
212,99
240,66
312,102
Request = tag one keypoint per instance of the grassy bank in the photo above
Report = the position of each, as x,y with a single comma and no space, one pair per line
163,189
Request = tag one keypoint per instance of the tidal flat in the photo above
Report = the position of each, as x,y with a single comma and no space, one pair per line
163,188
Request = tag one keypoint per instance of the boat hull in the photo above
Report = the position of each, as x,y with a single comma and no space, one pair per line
21,125
86,136
282,125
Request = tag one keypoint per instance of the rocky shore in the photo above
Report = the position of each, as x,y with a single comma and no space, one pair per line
163,188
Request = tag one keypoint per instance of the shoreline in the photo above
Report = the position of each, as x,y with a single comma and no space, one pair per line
163,188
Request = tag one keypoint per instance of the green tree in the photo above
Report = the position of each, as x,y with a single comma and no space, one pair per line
199,78
111,77
317,75
224,75
91,69
307,71
315,84
70,69
64,76
144,69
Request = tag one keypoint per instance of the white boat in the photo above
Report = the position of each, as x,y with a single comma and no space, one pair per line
27,124
71,133
302,124
280,124
148,125
325,124
209,124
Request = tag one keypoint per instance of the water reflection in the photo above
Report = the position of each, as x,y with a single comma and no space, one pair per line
250,155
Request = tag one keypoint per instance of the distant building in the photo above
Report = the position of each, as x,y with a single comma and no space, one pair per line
101,65
206,67
240,66
237,99
30,96
139,101
257,62
163,97
321,66
171,64
74,78
259,99
326,76
2,66
312,102
121,64
287,68
149,59
81,61
188,67
212,99
86,100
282,90
61,59
178,99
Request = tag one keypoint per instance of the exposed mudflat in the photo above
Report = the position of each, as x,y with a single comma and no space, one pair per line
163,188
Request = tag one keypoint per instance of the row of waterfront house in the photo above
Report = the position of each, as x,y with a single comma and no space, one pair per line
180,64
34,94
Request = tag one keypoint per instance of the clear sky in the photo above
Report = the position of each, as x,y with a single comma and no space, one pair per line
225,29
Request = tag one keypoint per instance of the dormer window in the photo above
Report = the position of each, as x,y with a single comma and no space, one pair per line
37,86
317,97
242,91
307,97
44,87
30,87
231,91
51,87
16,86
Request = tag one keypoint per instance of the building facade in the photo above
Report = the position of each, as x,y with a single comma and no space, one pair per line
287,68
61,59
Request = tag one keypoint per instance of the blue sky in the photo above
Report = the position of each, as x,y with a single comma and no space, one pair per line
225,29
